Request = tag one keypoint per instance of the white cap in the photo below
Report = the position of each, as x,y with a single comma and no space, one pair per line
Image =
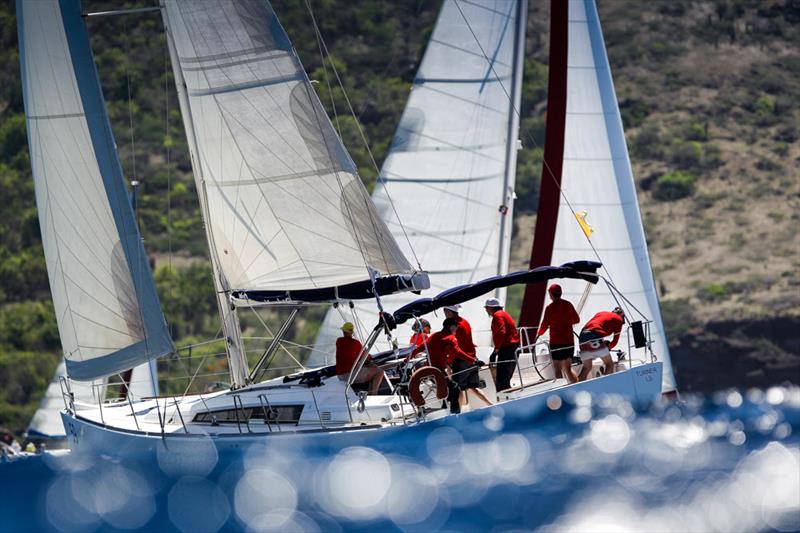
453,308
493,302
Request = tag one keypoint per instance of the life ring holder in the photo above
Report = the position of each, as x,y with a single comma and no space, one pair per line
414,384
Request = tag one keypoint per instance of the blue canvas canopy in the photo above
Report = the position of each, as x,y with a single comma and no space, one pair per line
585,270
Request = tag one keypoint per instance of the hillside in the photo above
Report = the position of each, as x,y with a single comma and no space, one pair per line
708,94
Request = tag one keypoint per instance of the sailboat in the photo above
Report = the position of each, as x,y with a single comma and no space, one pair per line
288,223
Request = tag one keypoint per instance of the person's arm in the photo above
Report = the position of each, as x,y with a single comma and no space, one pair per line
457,352
545,322
575,317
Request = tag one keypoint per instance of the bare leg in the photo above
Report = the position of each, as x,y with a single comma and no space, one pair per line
375,376
463,398
557,369
566,370
479,393
586,370
609,365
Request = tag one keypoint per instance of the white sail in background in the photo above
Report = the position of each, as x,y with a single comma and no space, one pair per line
46,423
283,201
144,381
109,316
597,178
450,171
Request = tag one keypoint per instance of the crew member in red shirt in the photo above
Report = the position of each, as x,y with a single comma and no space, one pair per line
602,325
466,374
464,330
347,350
559,317
421,329
443,351
506,341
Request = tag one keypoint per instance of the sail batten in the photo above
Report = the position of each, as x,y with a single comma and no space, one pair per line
108,313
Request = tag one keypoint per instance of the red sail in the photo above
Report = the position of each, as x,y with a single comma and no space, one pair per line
549,193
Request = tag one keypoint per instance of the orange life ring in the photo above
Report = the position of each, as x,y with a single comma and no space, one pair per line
415,391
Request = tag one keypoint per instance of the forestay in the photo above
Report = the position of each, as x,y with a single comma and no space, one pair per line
450,171
285,206
108,313
597,178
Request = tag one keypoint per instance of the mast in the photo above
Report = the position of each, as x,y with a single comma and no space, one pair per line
550,189
507,207
234,347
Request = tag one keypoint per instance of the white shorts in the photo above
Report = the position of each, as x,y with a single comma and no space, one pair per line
590,352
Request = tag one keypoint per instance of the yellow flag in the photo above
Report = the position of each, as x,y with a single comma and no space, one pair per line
587,229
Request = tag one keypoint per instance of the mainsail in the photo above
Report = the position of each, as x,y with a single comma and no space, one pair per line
108,313
584,132
285,208
449,175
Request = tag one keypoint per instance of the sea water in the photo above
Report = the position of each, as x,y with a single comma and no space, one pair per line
729,462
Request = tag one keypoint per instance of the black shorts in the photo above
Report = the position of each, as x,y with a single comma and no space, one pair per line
562,352
465,374
588,335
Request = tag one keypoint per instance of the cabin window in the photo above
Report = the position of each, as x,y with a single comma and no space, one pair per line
283,414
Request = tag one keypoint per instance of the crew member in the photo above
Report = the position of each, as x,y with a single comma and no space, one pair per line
464,330
506,341
603,324
348,349
421,329
559,317
443,350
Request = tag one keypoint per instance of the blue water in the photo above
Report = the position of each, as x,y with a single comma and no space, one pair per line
730,462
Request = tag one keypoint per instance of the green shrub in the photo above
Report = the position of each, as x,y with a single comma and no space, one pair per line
678,316
713,292
673,186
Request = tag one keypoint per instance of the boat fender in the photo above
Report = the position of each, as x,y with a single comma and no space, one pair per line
414,385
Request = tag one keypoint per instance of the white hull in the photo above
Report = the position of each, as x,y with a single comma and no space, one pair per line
640,385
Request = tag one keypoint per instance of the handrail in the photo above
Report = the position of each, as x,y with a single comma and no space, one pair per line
261,398
130,403
177,408
316,406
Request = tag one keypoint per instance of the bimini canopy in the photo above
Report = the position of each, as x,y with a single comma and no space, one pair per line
286,209
109,316
578,270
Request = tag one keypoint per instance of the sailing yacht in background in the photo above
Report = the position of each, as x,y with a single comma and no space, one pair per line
448,179
288,223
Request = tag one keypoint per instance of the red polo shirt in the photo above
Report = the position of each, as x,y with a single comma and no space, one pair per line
443,349
504,330
559,317
464,336
347,350
606,323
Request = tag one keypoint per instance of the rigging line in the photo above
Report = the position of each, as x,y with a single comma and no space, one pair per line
527,133
360,129
328,82
140,271
168,153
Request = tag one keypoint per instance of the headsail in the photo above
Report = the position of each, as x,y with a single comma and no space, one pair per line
109,316
596,177
451,168
284,204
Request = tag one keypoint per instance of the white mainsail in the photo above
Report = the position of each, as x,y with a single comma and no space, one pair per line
108,313
449,175
284,204
597,178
